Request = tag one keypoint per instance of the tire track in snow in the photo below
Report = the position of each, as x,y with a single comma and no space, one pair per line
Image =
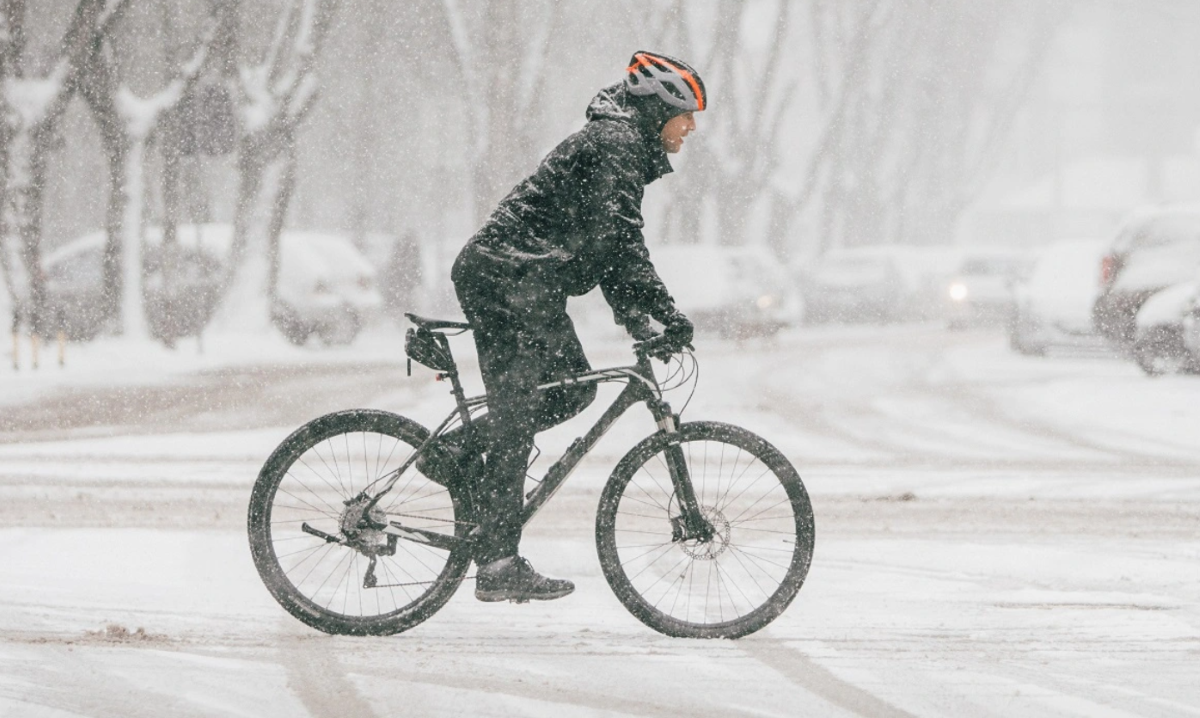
957,404
803,672
564,695
922,355
978,401
317,678
220,400
77,682
847,414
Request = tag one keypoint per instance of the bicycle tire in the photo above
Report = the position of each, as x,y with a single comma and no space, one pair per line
314,471
636,507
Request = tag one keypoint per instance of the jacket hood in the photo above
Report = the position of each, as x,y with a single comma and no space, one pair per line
647,114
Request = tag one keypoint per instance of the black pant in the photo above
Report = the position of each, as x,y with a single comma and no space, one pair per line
524,338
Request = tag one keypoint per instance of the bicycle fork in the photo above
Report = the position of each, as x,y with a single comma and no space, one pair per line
690,524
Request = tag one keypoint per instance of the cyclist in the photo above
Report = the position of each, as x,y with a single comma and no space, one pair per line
574,224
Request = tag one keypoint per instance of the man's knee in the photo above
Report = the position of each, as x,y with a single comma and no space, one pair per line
587,394
576,398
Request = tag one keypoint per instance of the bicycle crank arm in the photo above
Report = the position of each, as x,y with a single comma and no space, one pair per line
429,538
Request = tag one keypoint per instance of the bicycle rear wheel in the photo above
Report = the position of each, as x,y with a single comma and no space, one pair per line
302,523
727,587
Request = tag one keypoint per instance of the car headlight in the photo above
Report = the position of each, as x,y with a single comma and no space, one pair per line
766,301
958,291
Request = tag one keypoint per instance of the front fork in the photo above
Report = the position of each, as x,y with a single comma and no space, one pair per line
689,524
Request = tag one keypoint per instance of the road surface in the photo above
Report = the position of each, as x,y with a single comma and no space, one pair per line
996,536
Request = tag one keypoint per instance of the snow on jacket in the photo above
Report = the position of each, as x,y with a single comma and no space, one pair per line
576,222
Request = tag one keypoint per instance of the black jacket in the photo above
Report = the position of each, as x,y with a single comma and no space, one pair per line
576,222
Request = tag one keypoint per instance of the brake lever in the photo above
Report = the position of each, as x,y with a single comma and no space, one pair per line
666,356
661,348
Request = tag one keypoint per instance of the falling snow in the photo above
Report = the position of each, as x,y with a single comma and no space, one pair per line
944,256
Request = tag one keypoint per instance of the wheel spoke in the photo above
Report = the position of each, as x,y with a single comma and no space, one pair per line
646,553
727,584
337,474
321,484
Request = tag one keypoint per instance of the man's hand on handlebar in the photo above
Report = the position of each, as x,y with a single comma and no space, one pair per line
660,347
679,329
642,331
676,336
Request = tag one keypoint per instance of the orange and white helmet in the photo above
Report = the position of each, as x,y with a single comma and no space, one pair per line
674,81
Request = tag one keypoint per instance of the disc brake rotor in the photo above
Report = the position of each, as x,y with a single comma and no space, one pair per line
709,550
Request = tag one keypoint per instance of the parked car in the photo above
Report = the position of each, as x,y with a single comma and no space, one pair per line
182,281
928,271
73,286
1191,327
981,291
733,291
326,287
884,283
1154,249
1053,304
179,289
855,285
1160,344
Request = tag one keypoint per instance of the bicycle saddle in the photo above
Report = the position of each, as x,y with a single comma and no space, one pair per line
431,324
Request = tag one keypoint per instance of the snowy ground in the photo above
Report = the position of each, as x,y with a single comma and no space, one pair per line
996,535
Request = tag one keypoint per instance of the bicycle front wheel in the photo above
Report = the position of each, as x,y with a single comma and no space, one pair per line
303,525
746,574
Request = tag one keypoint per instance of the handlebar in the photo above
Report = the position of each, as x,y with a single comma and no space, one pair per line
660,347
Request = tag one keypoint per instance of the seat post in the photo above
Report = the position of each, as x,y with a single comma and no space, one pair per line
430,328
460,397
456,388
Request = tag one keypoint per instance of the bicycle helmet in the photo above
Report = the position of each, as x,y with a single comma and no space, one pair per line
673,81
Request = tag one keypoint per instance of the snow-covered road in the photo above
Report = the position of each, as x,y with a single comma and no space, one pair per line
996,535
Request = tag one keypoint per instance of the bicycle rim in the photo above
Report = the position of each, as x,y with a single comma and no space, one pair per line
763,534
306,493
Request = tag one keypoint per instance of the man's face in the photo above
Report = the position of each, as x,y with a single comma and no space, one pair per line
675,130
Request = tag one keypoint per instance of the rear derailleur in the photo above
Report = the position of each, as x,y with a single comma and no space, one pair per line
362,529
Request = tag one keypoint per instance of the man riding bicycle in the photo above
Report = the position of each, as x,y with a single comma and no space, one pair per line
574,224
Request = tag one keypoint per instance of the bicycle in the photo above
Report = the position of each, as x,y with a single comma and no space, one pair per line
703,529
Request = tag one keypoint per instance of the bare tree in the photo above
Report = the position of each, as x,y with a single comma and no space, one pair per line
500,48
914,100
735,158
920,98
277,93
127,123
32,109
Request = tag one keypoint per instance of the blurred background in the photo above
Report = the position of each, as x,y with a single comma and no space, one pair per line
321,162
933,248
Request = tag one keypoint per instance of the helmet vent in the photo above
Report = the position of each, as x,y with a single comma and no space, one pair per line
673,81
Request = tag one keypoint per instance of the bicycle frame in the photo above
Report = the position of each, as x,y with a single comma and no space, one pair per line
641,386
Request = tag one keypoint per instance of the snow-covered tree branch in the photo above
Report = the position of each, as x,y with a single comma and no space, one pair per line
126,123
32,109
277,93
500,54
920,99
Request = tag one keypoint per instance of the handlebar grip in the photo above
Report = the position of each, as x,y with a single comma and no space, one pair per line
660,347
652,345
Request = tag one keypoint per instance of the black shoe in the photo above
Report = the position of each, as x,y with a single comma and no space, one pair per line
513,579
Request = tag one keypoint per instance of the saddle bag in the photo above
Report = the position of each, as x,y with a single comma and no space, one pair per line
429,348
